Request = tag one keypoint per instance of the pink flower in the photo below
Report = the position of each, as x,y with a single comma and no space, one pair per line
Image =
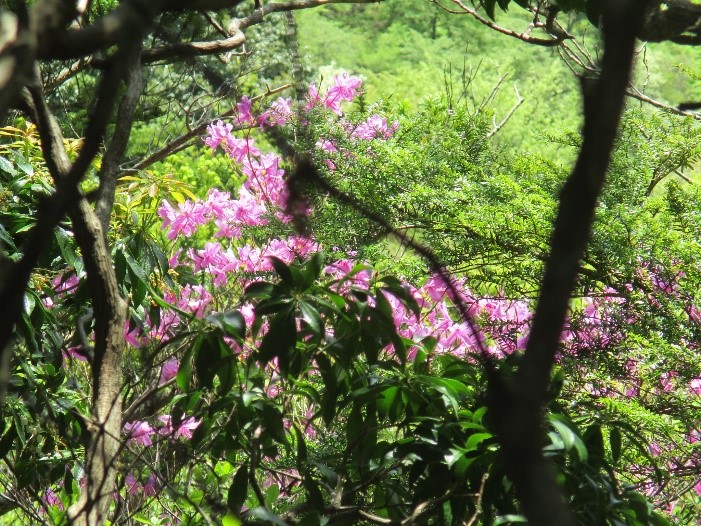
185,220
139,432
169,370
131,484
218,134
695,386
697,488
243,110
279,113
343,88
185,428
666,380
51,499
76,353
375,126
279,249
313,97
655,449
135,338
152,485
62,285
326,145
173,261
65,284
249,258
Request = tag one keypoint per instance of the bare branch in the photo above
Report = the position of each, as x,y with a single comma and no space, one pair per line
463,9
192,136
500,125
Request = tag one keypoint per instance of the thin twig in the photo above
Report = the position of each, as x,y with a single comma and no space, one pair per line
497,127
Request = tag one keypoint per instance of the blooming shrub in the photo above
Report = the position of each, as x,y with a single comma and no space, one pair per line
268,374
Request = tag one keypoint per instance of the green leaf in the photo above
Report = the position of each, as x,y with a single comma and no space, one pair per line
449,388
282,270
569,437
273,305
206,358
280,341
182,379
238,491
316,499
594,441
258,289
388,400
312,269
489,7
615,441
266,516
475,440
6,238
311,316
272,420
6,441
65,245
658,519
330,394
22,164
271,495
6,166
230,520
509,519
231,323
301,448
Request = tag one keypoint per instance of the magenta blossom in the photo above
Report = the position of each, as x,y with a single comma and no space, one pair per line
374,127
132,485
139,432
218,133
185,428
695,386
169,370
243,110
279,114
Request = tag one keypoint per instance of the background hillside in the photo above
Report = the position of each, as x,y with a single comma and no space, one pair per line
424,51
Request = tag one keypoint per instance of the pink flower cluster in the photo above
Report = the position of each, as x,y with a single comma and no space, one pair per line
375,127
134,487
344,88
141,432
61,285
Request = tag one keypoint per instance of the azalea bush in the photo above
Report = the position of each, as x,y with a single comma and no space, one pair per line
288,377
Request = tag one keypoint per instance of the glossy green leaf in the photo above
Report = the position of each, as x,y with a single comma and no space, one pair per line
231,323
238,491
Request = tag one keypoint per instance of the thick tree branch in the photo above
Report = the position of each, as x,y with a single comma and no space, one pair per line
17,50
517,406
216,5
131,18
192,49
109,171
